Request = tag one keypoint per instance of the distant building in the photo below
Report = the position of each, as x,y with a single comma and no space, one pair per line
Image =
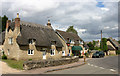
72,43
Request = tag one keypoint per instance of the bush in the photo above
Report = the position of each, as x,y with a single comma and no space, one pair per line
118,52
71,54
4,57
29,59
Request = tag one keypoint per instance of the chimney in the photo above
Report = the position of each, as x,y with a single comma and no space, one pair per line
17,21
8,23
49,24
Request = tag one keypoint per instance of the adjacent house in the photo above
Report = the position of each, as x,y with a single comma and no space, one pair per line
2,37
72,43
113,45
25,40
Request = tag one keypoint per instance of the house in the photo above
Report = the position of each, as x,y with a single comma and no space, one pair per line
72,43
25,40
113,45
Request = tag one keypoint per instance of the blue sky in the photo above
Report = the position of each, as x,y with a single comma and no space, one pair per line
88,16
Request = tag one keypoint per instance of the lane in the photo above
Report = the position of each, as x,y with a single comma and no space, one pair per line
85,69
110,62
107,65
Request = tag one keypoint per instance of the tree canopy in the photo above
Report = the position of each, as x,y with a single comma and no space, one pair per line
4,19
71,29
103,44
91,46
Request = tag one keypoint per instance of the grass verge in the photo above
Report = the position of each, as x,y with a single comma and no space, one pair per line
14,64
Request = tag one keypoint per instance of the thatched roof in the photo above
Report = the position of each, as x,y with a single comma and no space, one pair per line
114,43
110,47
42,34
2,37
69,35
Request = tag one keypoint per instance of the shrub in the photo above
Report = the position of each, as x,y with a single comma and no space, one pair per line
29,59
86,54
118,52
71,54
4,57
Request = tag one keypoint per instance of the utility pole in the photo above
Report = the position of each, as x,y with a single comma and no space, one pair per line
101,39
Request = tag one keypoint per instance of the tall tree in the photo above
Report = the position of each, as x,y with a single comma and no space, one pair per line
91,46
103,45
0,24
71,29
4,19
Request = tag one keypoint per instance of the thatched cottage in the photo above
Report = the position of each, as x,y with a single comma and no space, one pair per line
73,44
25,40
113,45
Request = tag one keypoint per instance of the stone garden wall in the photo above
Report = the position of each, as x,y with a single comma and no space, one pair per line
46,63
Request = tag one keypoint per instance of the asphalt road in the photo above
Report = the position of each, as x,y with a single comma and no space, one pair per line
107,65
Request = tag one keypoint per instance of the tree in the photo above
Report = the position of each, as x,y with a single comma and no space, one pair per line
4,19
119,41
91,46
71,29
103,45
0,24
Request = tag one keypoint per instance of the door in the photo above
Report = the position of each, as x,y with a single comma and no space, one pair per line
69,52
44,54
63,53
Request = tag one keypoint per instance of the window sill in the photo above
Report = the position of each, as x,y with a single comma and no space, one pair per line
52,55
30,54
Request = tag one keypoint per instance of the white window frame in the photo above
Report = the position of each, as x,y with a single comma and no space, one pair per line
30,52
10,40
8,52
53,50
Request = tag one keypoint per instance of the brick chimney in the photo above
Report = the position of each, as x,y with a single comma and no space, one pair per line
49,24
17,21
8,23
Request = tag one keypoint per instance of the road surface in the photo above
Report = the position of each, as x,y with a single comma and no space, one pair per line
107,65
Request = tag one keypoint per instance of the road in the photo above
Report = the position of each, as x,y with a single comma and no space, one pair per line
106,65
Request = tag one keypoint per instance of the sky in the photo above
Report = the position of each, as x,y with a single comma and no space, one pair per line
88,17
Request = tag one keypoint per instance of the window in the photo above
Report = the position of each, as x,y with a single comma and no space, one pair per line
31,41
10,41
72,41
52,51
8,52
30,52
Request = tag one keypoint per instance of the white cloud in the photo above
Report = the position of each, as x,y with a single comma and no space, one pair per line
107,27
97,17
105,9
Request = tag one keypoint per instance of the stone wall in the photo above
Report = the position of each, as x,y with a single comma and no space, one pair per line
46,63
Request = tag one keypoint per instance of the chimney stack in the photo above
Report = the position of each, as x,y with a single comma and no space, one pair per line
8,23
17,21
49,24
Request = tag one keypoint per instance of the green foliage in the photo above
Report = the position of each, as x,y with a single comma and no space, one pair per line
29,59
117,52
119,41
4,57
15,64
99,50
103,45
4,20
71,29
94,43
86,54
96,48
91,46
71,54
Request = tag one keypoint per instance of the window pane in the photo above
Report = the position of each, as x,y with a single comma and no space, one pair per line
28,51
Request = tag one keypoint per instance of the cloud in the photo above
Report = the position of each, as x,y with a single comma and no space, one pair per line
88,17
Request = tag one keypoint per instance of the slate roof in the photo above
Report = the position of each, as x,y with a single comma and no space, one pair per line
42,34
69,35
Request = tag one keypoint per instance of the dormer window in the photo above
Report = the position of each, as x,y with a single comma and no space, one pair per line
53,42
81,42
72,41
10,40
32,41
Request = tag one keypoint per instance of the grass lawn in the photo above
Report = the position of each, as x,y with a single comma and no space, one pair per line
15,64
